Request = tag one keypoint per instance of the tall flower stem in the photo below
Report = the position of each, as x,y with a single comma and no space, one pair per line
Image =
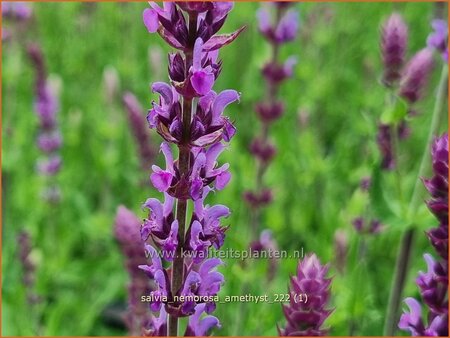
403,256
271,93
184,156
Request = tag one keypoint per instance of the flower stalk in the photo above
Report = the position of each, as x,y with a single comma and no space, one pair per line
189,116
279,27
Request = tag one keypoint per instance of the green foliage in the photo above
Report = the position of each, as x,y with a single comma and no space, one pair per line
315,175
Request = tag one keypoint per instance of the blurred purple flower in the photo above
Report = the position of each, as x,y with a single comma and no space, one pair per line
385,146
307,318
126,232
136,120
200,327
49,142
363,226
439,38
258,200
394,39
282,31
264,152
46,107
50,166
415,75
16,10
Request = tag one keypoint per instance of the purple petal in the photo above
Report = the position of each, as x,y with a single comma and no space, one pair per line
168,204
197,54
288,26
211,155
153,254
221,8
208,265
222,100
218,41
161,179
288,66
206,101
165,148
192,280
196,188
206,324
164,90
151,21
198,204
228,131
170,243
202,82
156,208
217,211
264,22
222,180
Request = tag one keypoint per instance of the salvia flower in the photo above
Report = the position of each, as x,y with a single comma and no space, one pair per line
46,107
415,75
283,30
437,185
364,226
439,38
189,116
433,283
136,120
16,10
394,39
279,24
306,318
126,231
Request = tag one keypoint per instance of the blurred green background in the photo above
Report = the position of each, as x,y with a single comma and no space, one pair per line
315,175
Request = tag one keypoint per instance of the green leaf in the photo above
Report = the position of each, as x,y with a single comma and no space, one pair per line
394,114
380,207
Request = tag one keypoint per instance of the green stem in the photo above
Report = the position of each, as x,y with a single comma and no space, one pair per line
404,253
398,174
184,158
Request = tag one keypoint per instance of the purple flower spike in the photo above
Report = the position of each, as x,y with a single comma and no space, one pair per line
394,38
306,318
433,283
46,107
190,115
140,133
126,231
279,25
415,75
439,38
